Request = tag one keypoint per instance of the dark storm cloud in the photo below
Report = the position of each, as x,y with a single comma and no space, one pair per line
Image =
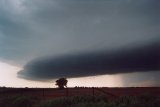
129,60
33,28
99,28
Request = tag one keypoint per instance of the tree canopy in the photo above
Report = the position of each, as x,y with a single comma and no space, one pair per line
61,83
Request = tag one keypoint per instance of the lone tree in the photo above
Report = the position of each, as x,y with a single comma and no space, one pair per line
62,82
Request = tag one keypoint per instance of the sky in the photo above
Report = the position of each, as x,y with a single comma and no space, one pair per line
102,43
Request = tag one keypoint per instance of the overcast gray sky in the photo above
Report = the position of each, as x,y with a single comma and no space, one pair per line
33,31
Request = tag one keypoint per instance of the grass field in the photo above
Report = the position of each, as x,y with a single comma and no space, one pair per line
80,97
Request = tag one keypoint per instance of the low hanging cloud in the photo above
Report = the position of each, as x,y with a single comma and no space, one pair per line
141,59
79,37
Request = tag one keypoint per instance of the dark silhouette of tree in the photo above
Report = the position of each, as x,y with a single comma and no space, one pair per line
62,82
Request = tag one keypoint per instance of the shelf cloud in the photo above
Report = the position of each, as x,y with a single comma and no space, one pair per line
142,59
74,38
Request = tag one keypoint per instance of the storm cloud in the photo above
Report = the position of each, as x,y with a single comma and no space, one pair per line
141,59
53,38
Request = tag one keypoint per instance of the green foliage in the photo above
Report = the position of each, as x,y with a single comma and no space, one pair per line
136,101
75,101
23,101
100,101
61,83
81,101
17,101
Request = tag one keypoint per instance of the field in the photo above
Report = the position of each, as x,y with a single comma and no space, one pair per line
87,97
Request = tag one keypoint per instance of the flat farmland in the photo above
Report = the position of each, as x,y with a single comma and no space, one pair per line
51,93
